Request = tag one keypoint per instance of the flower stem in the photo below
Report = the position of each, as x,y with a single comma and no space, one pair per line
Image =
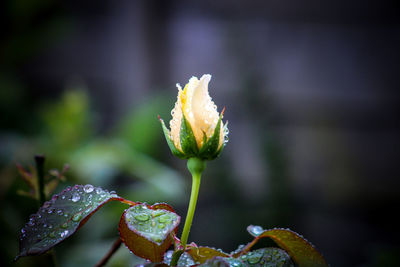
196,167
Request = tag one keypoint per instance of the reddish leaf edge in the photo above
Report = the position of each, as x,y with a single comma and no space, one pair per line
155,206
118,198
280,243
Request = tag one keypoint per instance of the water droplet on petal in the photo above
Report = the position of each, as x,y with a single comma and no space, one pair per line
88,188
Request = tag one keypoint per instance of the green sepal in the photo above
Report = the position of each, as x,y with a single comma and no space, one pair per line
188,140
224,141
210,150
170,143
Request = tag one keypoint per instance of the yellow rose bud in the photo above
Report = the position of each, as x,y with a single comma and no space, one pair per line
196,126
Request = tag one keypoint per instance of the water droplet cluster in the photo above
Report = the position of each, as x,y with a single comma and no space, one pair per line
59,217
267,257
184,260
224,261
152,224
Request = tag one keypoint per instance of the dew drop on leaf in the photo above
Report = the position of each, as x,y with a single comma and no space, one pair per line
164,219
256,230
254,258
64,233
77,217
88,188
142,217
75,197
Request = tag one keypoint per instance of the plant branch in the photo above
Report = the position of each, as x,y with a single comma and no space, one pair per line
111,252
39,160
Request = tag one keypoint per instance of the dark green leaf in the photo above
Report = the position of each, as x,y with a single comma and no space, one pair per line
223,262
270,257
60,217
146,230
299,249
184,260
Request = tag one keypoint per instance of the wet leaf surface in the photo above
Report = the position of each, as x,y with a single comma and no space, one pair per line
60,217
267,257
146,230
201,254
223,262
299,249
184,260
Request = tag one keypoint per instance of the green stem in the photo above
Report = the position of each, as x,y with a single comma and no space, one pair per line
39,159
192,208
196,167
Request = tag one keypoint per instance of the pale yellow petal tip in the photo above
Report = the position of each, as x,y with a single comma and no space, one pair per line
206,77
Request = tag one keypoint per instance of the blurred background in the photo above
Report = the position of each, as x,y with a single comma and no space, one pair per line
311,96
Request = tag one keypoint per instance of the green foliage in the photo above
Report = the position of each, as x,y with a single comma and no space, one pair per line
139,129
187,139
68,122
60,217
146,230
210,149
267,257
149,230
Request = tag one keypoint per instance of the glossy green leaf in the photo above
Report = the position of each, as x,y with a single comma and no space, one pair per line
60,217
184,260
267,257
299,249
223,262
201,254
146,230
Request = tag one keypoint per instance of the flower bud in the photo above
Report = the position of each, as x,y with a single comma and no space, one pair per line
197,129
